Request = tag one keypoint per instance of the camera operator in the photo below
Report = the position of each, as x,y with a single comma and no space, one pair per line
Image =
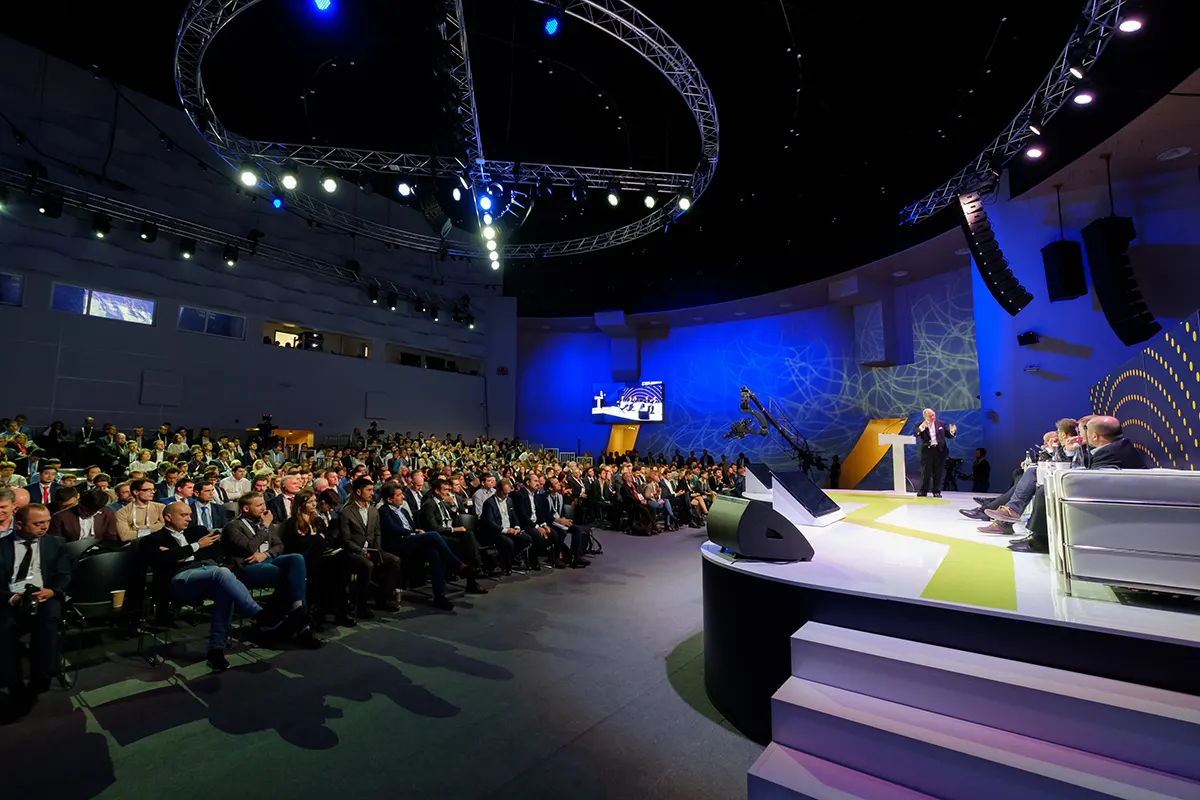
36,570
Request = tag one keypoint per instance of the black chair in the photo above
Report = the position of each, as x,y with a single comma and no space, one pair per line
471,523
89,598
77,548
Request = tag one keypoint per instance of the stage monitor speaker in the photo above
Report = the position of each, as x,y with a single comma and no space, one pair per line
989,258
752,528
1107,243
796,497
1065,279
758,478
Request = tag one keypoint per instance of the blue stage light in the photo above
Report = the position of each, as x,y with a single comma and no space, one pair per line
485,202
551,26
277,202
324,5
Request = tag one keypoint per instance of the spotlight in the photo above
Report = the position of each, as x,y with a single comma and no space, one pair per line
187,248
405,189
392,300
149,232
101,225
1035,152
487,219
230,255
1037,124
463,180
685,199
323,5
433,313
289,178
1083,95
373,294
491,244
551,26
651,198
1075,58
470,322
329,180
419,306
1132,20
456,193
494,256
489,233
579,192
248,174
50,205
614,195
485,202
3,197
276,201
496,264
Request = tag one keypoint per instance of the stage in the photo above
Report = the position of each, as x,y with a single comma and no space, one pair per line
915,569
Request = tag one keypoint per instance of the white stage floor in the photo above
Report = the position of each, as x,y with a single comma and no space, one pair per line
924,551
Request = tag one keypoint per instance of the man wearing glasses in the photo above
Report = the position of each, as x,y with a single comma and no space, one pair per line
141,517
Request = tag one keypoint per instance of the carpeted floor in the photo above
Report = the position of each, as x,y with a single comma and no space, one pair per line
574,683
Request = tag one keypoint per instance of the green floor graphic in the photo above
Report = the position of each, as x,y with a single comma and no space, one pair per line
972,573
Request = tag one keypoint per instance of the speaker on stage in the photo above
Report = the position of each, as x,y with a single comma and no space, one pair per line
758,479
796,497
752,528
1065,279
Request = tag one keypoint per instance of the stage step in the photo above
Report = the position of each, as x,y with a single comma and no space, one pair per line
784,774
951,758
1137,724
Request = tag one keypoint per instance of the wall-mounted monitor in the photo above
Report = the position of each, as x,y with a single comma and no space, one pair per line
627,402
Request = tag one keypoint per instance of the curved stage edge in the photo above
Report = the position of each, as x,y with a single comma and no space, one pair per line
749,621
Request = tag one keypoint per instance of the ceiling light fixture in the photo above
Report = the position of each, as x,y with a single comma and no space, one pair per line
489,232
456,193
1174,153
685,199
1083,95
434,314
392,299
491,244
651,198
248,174
487,219
373,294
496,263
494,256
1133,20
1035,152
50,205
289,178
405,189
101,225
614,194
187,248
149,232
230,255
329,180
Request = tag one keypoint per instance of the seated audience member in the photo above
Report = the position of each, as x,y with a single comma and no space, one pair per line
166,489
237,484
554,505
399,535
36,572
185,487
329,567
124,497
499,526
641,518
89,518
206,511
280,505
142,516
486,489
8,506
359,532
657,502
1108,449
529,518
181,572
8,476
438,514
43,491
64,497
254,550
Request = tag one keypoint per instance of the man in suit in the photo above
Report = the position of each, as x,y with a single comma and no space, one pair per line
531,521
360,533
499,527
414,495
563,527
438,514
43,490
89,518
932,436
280,505
400,535
1109,449
183,573
142,516
166,489
254,551
36,571
206,511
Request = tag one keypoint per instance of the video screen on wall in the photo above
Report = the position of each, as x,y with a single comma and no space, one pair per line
627,402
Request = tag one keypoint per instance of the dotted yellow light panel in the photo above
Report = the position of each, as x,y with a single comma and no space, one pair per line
1154,397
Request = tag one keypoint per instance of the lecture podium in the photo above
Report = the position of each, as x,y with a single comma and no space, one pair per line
899,470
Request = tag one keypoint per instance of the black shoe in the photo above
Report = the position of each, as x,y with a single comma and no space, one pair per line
306,640
267,621
579,563
217,660
558,564
443,604
364,612
983,501
390,606
921,494
473,587
535,565
1026,545
937,494
974,513
346,621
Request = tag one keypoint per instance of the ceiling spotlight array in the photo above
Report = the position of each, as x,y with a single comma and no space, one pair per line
101,225
230,255
329,180
148,232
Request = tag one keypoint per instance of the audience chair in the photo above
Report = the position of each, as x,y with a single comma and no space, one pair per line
89,599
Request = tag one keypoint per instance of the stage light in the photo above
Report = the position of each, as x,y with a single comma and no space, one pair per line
494,256
614,195
651,198
1083,95
463,180
489,232
491,244
187,248
276,201
456,193
3,197
50,205
248,174
329,181
230,255
323,5
485,202
149,232
685,199
1130,25
1075,58
434,314
487,219
405,189
289,178
551,26
1035,152
101,225
392,300
579,192
1132,20
419,306
373,294
1037,124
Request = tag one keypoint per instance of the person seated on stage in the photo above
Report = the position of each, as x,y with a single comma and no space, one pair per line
142,516
400,535
437,514
89,518
254,550
563,526
329,567
179,555
530,521
36,571
359,533
1108,448
1007,508
498,525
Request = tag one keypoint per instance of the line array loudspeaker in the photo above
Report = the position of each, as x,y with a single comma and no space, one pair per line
1107,243
989,258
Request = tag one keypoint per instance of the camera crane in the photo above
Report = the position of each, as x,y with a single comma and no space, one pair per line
771,416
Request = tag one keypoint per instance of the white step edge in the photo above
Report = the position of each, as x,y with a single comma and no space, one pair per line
781,773
951,758
1143,725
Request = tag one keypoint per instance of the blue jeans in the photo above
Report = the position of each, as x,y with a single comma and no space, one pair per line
287,570
221,586
668,512
1023,491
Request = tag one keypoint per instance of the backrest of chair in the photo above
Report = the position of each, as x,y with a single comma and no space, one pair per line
96,576
77,548
468,521
569,511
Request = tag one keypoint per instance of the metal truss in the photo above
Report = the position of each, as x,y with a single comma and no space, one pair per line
1097,26
204,19
84,200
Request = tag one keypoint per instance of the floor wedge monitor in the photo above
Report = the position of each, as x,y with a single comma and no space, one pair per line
752,528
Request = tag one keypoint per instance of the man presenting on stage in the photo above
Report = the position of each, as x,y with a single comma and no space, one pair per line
933,434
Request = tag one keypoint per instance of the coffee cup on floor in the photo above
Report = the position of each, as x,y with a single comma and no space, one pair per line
118,599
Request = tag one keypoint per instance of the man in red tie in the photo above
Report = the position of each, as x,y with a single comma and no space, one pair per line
43,491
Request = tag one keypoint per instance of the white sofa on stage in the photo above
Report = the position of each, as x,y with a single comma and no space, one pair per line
1133,528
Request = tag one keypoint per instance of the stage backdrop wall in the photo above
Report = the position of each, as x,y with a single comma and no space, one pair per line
806,361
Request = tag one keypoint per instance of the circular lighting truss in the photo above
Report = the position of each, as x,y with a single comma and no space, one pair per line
1098,23
204,19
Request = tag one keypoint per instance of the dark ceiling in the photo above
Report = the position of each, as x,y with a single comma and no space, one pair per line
832,115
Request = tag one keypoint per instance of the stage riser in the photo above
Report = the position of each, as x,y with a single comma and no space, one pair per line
949,758
784,774
1125,722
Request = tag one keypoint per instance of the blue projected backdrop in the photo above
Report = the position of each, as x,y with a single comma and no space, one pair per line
627,402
